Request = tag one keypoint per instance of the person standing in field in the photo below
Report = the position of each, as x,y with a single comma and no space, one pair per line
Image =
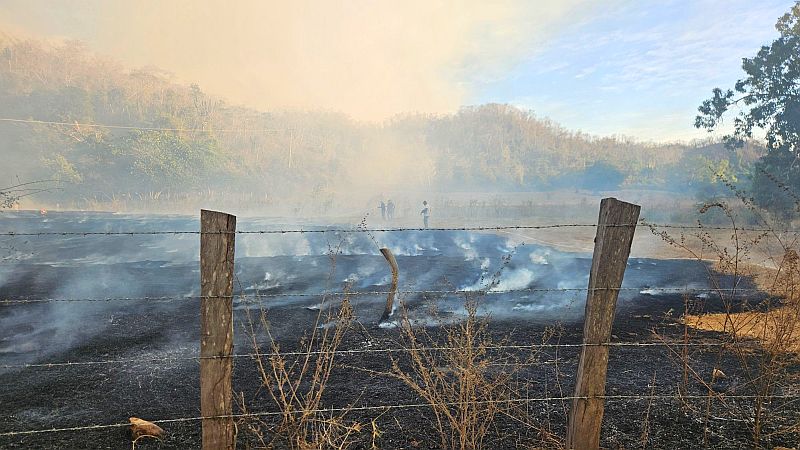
390,210
426,213
382,207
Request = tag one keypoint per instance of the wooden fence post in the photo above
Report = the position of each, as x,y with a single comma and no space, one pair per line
217,237
612,246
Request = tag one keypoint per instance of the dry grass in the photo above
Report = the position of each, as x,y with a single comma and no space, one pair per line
296,383
771,321
467,382
770,327
778,327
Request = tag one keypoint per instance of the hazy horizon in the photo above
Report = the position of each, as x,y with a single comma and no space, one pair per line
610,68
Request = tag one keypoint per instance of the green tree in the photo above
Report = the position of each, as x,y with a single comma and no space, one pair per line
767,99
168,160
776,183
602,176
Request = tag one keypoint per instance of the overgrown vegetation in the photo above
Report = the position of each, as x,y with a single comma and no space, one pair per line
296,382
468,379
769,370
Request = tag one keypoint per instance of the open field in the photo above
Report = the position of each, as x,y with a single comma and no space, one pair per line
135,355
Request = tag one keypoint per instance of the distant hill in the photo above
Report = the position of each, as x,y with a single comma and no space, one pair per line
188,141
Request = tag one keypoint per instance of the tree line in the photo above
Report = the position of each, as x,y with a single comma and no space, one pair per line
169,137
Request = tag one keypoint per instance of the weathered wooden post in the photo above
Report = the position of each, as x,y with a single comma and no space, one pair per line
217,237
612,246
387,310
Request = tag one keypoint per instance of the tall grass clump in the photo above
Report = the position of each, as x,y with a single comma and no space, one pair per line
467,378
296,383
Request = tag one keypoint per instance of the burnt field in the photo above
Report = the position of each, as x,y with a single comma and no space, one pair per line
133,351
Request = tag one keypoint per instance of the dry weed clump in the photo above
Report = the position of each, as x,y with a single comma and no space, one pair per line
770,320
461,374
296,382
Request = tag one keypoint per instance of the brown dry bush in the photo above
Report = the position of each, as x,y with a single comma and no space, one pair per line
296,382
464,379
762,334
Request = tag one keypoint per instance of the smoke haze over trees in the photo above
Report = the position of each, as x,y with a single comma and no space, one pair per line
189,142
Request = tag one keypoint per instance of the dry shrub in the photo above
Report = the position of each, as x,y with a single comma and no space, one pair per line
465,378
296,382
770,370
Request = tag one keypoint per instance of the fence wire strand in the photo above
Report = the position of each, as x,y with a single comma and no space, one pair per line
386,230
301,231
345,410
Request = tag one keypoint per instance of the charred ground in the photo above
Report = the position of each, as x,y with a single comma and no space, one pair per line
148,347
168,388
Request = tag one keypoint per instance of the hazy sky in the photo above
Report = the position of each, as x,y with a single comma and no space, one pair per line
605,67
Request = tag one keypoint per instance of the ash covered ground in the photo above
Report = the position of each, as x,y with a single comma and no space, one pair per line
158,339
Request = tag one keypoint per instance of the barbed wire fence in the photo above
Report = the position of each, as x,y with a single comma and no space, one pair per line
390,230
57,365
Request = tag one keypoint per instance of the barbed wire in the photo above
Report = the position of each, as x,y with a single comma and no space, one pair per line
360,352
296,231
143,128
257,296
385,230
350,409
717,228
25,300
